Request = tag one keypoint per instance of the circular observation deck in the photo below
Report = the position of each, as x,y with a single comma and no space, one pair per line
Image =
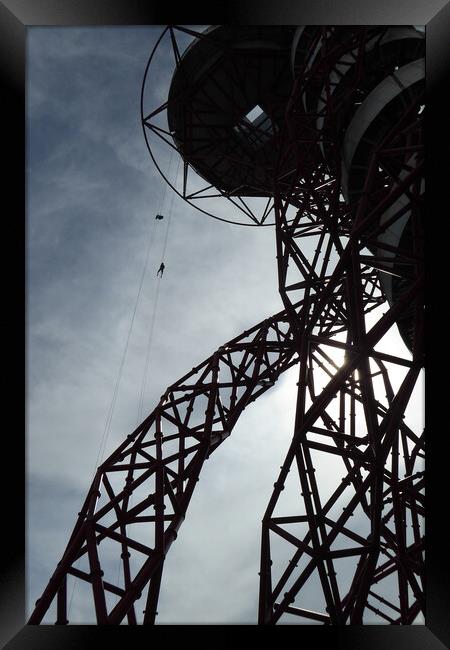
360,84
356,62
226,105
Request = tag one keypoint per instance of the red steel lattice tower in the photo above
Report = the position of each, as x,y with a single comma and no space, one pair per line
326,124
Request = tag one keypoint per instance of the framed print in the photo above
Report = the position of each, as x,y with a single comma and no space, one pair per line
129,283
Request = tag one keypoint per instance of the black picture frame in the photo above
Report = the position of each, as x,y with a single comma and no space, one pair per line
15,17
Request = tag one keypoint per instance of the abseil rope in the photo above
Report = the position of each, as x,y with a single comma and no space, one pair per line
110,414
152,325
138,296
112,405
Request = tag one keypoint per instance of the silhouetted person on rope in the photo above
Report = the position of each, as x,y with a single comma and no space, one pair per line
161,269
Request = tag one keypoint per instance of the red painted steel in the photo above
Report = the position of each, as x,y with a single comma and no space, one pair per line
370,482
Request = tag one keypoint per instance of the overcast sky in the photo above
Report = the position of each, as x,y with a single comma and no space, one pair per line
93,192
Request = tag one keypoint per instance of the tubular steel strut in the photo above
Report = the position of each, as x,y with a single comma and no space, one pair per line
164,455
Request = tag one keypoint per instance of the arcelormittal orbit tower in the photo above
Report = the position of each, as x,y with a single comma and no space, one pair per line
322,127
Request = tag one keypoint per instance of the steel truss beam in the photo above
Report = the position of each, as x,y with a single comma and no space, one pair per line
142,491
357,419
338,548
